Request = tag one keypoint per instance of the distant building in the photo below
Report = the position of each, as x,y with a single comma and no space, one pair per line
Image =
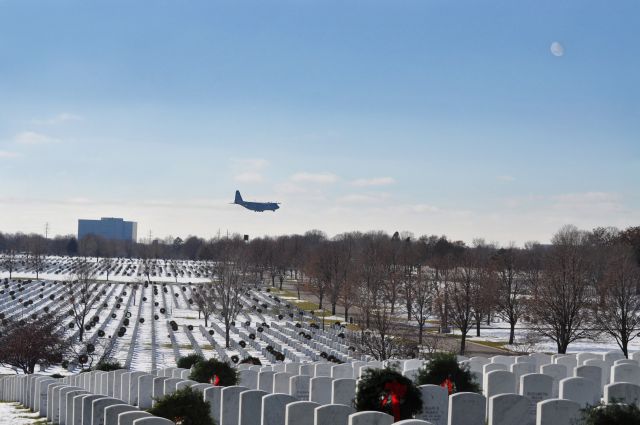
109,228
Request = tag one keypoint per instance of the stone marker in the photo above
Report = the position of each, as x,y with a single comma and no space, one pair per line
250,405
281,382
343,391
508,409
581,390
299,413
249,379
153,421
145,391
320,390
274,408
622,392
536,387
467,409
370,418
332,414
625,373
435,404
98,407
499,382
558,372
127,418
265,381
590,372
557,412
229,407
213,396
111,413
299,387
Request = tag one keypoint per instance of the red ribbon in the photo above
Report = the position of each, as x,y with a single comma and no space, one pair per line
448,384
395,395
215,380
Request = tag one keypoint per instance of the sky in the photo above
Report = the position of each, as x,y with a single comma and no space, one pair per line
433,116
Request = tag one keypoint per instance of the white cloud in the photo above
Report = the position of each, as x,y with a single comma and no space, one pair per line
322,178
424,208
506,178
248,170
58,119
248,177
7,154
33,138
376,181
588,202
363,198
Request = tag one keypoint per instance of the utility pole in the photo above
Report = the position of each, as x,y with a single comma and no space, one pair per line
46,230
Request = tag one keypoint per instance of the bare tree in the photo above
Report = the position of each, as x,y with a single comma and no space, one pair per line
510,300
227,286
618,313
561,307
460,296
79,293
33,341
9,261
422,297
107,263
379,338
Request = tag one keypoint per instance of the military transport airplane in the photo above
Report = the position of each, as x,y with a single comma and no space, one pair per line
256,206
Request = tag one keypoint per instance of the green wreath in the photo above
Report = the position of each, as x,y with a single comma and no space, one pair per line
387,391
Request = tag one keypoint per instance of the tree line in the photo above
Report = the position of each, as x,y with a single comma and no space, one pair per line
582,284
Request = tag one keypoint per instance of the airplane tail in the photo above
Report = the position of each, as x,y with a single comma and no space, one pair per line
238,198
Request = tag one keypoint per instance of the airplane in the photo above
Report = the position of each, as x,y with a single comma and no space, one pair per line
256,206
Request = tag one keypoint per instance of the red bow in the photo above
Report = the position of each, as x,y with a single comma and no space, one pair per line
395,395
448,384
215,380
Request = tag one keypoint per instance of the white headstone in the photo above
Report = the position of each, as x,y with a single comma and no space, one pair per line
281,382
581,390
273,408
557,412
320,390
622,392
467,409
499,382
250,404
230,405
299,387
370,418
300,413
558,372
508,409
343,391
332,414
625,373
435,404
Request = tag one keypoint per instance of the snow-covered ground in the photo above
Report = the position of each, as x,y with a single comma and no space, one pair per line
15,414
498,332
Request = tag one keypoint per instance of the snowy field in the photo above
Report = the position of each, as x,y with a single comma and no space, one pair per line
161,323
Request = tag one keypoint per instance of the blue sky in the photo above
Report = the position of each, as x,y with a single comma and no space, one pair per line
436,117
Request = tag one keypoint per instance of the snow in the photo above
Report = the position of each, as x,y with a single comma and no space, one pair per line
15,414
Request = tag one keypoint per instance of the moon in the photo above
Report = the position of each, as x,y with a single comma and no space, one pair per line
557,49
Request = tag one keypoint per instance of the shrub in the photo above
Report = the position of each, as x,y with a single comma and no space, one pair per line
206,371
444,370
187,361
611,414
251,360
387,391
185,406
107,366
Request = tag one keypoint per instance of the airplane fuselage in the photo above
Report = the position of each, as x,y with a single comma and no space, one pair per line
259,206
